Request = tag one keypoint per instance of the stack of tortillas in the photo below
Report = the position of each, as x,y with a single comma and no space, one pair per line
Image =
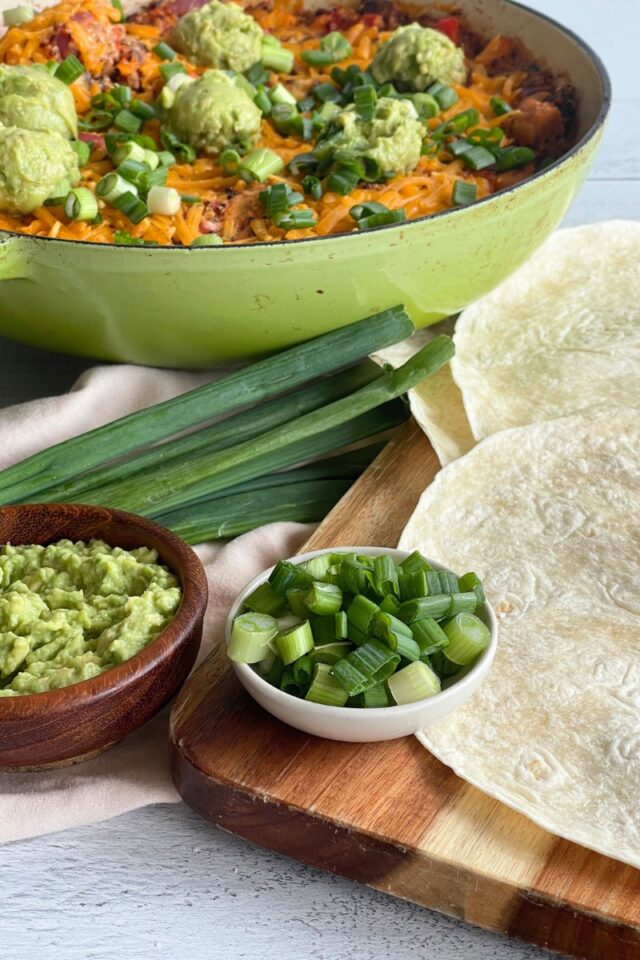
546,508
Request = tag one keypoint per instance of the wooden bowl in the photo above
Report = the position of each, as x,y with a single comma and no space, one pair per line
77,722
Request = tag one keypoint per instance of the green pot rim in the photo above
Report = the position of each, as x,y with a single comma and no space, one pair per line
405,225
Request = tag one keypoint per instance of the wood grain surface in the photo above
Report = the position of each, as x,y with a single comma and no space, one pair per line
389,814
74,723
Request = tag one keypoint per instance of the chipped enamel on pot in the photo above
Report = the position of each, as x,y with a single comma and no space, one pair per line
193,307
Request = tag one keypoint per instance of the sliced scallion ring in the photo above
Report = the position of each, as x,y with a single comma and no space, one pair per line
80,204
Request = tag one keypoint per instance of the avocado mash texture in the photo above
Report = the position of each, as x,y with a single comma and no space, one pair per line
414,57
32,165
213,113
70,611
31,98
219,35
393,136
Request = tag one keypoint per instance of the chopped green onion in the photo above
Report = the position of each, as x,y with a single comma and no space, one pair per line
307,103
287,576
429,636
69,70
142,109
263,101
82,150
313,186
121,94
337,45
448,582
462,603
444,95
370,664
80,204
324,599
182,150
317,58
251,634
499,106
167,159
426,105
389,604
96,120
414,563
361,210
360,614
510,158
478,158
296,220
295,599
164,201
132,170
406,647
436,606
468,637
325,688
276,58
471,581
294,643
459,147
151,159
207,240
327,629
261,164
257,75
132,207
326,93
329,652
382,219
117,5
385,576
280,94
17,15
169,70
112,186
164,51
383,625
153,178
317,567
373,698
343,182
229,161
129,151
127,121
365,101
413,683
264,599
413,585
464,193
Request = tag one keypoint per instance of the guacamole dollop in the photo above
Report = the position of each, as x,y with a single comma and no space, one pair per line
219,35
30,97
69,611
393,136
32,165
414,57
213,113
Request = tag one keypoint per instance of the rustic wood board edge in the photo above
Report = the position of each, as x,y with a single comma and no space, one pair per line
554,924
556,895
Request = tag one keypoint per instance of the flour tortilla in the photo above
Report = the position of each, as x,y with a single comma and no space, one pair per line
549,516
436,403
561,334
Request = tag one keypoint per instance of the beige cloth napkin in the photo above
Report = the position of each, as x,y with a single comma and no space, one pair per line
135,772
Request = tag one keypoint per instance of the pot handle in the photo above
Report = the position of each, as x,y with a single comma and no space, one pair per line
14,259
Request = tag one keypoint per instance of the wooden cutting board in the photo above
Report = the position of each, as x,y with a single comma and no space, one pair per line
389,814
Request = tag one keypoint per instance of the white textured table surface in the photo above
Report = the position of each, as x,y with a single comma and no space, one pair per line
160,882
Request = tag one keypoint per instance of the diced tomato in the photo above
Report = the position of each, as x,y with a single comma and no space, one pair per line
449,26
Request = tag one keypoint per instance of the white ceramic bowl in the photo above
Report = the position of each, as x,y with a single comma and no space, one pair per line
353,723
